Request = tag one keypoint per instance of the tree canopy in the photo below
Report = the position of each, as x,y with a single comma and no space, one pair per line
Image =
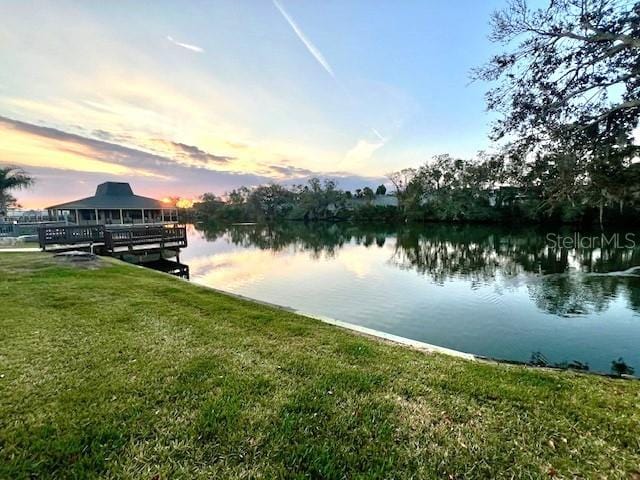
570,73
568,88
12,178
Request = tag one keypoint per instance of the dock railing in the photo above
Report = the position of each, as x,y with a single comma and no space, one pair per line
132,237
112,238
70,235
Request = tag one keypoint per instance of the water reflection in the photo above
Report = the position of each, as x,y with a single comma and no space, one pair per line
317,239
171,267
560,281
483,271
575,295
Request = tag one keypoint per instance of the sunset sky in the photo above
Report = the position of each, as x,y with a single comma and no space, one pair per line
182,98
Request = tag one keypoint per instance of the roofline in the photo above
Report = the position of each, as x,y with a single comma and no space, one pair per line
62,206
67,203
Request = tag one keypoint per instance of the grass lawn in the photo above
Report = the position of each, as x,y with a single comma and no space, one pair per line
121,372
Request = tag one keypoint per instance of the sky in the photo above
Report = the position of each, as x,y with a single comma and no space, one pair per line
185,97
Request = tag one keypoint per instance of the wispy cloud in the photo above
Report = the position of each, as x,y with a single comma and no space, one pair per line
361,153
189,155
39,144
289,171
193,48
317,54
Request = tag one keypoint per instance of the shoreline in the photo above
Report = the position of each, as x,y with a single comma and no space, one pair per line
403,341
370,332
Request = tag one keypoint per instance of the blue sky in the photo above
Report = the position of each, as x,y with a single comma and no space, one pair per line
187,97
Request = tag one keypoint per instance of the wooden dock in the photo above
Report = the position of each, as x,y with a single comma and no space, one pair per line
110,240
149,246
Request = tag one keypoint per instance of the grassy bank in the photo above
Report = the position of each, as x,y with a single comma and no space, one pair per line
117,371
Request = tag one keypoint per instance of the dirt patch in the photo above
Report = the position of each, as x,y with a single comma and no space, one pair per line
78,259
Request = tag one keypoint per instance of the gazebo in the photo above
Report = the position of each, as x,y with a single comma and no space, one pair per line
114,203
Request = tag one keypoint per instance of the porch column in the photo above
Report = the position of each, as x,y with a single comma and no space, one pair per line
143,221
162,213
96,210
77,217
121,218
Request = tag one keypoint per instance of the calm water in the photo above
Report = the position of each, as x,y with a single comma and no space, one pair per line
491,291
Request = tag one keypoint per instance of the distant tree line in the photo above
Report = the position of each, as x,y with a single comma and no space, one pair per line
316,200
483,189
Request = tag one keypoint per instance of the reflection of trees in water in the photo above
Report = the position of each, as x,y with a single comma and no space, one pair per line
319,239
210,231
470,248
470,252
564,282
569,295
475,253
633,294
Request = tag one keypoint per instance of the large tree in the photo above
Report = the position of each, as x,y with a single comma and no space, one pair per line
570,68
568,84
317,197
269,202
11,178
404,185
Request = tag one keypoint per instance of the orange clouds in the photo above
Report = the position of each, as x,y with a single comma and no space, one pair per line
26,148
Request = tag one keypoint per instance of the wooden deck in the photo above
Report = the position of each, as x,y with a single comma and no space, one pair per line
110,239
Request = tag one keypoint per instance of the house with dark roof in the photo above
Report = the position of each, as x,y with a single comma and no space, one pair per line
114,203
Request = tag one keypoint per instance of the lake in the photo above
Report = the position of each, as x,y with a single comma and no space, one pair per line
526,294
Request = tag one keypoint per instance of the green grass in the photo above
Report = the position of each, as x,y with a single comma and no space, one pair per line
122,372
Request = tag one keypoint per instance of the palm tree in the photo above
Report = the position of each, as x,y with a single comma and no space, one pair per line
11,178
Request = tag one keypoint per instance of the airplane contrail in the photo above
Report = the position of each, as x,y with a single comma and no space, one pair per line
313,50
188,46
317,54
